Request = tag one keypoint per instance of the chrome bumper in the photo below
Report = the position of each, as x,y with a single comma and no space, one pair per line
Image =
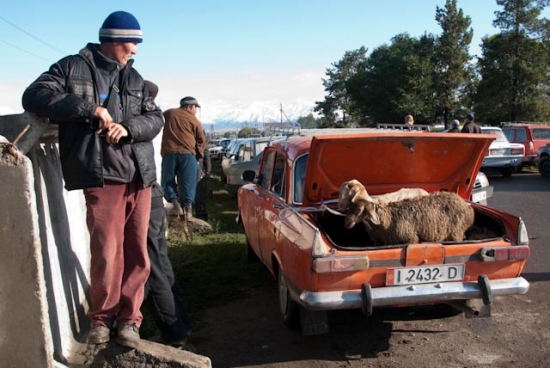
411,294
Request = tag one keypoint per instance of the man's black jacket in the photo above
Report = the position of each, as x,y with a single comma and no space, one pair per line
67,95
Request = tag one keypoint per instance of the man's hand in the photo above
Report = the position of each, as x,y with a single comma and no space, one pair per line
115,133
105,119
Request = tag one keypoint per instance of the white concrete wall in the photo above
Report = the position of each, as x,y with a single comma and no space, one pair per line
24,341
44,263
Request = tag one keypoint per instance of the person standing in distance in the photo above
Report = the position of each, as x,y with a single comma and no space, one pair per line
470,126
409,120
183,143
202,186
454,126
106,130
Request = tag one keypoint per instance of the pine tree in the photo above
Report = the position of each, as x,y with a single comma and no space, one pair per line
452,59
515,66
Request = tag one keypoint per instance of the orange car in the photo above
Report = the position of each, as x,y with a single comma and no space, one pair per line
292,226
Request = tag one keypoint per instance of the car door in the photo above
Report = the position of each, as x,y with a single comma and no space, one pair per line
272,193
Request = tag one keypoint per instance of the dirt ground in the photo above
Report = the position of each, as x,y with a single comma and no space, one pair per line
249,333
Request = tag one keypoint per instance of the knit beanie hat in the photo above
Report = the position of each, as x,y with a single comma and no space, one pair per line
120,26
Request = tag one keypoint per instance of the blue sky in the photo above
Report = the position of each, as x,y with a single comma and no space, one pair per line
222,52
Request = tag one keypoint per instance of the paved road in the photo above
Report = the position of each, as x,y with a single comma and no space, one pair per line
528,195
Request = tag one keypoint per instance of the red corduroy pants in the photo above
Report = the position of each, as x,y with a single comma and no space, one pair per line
118,219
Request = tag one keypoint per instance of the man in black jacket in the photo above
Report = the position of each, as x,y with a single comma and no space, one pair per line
470,126
106,128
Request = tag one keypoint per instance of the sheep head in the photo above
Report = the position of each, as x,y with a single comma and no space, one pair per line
351,191
361,210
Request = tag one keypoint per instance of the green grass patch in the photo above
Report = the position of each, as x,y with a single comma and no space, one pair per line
211,269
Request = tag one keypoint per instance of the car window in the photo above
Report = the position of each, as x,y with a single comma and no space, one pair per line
509,133
278,178
245,152
260,146
266,170
299,178
541,133
501,136
521,135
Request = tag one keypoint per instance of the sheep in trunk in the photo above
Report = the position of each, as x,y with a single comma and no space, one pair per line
353,190
437,217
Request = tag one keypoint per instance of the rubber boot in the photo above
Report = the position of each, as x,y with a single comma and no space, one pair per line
188,210
176,208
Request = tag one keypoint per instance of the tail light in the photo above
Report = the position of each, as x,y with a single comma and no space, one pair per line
517,151
341,264
515,253
531,147
523,236
318,247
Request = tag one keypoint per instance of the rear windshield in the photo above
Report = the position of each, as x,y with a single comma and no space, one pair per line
501,136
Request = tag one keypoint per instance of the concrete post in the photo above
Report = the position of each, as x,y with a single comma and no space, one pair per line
24,337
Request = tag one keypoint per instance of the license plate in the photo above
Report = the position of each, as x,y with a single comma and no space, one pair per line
497,152
424,274
480,196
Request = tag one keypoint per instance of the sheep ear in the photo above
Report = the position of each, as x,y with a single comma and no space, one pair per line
355,194
370,212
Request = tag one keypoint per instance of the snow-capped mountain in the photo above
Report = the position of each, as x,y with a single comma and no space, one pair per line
225,116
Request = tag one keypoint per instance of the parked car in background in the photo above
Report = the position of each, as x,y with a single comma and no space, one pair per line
531,136
543,160
218,151
244,150
503,157
481,190
235,172
320,265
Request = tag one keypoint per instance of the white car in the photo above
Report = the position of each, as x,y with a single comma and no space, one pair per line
220,149
482,190
503,156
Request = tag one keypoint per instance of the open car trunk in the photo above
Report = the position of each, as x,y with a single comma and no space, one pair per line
484,228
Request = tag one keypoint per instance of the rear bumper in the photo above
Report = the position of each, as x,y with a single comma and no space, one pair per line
501,161
410,295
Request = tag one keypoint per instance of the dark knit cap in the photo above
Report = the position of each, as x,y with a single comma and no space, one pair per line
120,26
186,101
470,116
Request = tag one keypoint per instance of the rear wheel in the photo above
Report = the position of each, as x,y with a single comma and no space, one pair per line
508,171
544,166
289,309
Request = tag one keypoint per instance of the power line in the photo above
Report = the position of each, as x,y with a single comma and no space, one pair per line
32,36
28,52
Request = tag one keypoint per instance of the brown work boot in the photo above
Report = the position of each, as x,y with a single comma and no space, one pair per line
188,210
176,208
128,335
99,334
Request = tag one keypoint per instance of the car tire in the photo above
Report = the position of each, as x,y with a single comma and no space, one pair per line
544,166
288,308
508,171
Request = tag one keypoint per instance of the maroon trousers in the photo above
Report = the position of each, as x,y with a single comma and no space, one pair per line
118,219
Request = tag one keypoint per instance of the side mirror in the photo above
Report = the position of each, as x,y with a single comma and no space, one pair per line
249,175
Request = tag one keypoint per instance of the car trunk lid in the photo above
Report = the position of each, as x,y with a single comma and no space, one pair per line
386,162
